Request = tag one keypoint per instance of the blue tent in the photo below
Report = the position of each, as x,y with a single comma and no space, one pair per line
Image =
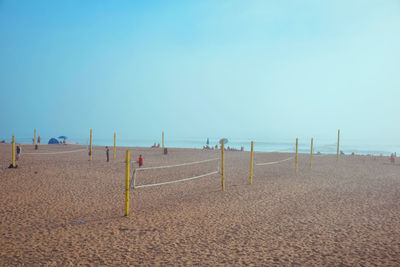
53,141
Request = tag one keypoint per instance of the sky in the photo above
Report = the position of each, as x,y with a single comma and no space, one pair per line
240,69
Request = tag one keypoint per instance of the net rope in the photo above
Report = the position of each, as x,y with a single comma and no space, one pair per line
175,181
273,162
170,166
50,153
177,165
283,160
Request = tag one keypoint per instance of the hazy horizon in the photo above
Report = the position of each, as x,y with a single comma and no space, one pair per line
238,69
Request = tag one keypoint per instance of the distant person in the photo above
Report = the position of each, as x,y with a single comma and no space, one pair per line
216,146
140,161
165,151
18,154
108,153
392,158
158,145
36,147
38,140
154,145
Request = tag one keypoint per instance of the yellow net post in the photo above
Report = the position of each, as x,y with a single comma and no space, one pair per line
13,151
115,144
162,142
223,164
311,151
297,155
251,162
337,152
90,149
127,183
34,137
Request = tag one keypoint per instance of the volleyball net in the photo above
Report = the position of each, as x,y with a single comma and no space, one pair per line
56,152
295,158
263,163
155,176
272,162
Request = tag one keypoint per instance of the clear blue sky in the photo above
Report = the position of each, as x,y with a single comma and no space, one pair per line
252,69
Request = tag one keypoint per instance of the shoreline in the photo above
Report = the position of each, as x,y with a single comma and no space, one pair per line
386,154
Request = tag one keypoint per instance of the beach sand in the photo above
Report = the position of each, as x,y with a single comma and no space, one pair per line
62,210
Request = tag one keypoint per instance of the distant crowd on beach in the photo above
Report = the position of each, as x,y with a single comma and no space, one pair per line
228,148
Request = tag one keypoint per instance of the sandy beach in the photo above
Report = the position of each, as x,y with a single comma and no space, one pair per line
62,210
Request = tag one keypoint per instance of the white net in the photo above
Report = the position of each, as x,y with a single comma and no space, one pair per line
56,152
273,162
157,181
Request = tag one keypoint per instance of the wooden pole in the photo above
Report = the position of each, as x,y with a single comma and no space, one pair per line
223,164
251,162
297,155
34,137
337,152
13,151
127,183
162,142
115,144
311,152
90,150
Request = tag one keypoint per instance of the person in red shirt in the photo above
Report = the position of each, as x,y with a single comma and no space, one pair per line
140,161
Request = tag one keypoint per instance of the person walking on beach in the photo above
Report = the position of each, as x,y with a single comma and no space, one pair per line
38,140
18,153
108,154
140,161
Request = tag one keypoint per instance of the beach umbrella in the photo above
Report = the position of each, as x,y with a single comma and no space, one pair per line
62,137
223,139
